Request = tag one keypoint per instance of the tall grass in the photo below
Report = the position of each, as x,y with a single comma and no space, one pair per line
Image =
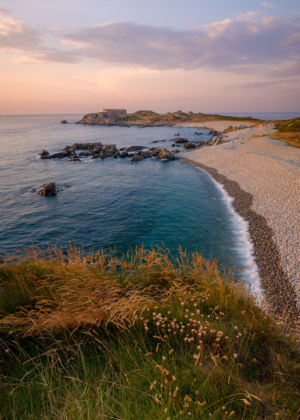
145,336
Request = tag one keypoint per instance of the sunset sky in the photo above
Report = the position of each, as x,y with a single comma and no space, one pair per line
79,57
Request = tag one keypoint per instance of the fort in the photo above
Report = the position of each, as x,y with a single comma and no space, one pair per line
112,112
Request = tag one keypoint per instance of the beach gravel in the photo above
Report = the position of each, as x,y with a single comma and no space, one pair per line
263,175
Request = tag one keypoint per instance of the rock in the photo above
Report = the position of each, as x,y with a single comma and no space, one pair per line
165,154
135,148
64,122
175,151
176,134
48,189
44,153
101,156
180,140
108,154
33,190
76,159
154,151
95,156
123,154
173,145
2,260
190,146
137,158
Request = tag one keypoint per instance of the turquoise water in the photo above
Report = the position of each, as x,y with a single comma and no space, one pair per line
111,202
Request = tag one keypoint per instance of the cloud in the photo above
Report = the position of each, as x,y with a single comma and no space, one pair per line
4,12
14,36
221,45
266,4
243,45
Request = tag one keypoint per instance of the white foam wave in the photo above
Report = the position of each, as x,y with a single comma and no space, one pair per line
244,246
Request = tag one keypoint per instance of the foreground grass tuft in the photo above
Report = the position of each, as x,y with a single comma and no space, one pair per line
94,336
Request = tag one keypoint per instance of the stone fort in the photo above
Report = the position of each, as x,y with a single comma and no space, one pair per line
112,113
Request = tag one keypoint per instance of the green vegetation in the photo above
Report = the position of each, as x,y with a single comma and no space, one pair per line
169,118
289,131
93,336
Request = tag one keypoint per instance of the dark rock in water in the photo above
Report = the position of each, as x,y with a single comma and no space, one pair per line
108,154
48,190
180,140
44,153
173,145
137,158
165,154
190,146
154,151
75,159
175,151
115,156
123,154
176,134
122,148
33,190
135,148
64,122
95,156
101,156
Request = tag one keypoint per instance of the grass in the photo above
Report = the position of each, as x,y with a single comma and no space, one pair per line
93,336
289,131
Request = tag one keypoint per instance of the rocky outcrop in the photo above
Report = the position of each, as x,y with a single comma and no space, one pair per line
137,158
165,154
135,148
180,140
190,146
44,153
64,122
231,128
48,190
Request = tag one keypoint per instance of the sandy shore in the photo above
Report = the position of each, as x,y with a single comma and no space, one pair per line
268,170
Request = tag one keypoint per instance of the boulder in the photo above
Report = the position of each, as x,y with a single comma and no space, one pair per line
137,158
175,151
75,159
180,140
44,153
33,190
135,148
165,154
123,154
101,156
190,146
64,122
48,189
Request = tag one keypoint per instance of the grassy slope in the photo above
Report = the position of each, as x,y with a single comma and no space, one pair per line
145,337
289,131
172,118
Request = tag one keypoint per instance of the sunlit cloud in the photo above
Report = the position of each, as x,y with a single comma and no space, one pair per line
266,4
240,45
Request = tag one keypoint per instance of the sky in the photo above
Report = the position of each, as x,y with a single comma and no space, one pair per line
219,56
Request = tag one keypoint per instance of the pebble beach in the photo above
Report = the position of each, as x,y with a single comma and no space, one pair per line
263,177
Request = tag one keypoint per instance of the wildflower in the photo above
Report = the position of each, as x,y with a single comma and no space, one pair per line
235,355
158,324
164,358
246,402
173,378
235,328
243,312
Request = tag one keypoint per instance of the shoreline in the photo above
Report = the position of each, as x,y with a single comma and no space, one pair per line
278,290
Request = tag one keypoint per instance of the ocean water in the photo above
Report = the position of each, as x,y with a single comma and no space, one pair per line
113,203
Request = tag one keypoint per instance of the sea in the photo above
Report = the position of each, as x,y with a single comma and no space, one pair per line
114,203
